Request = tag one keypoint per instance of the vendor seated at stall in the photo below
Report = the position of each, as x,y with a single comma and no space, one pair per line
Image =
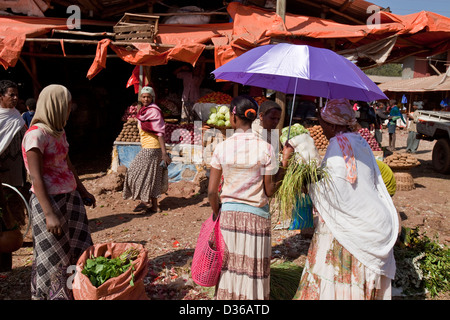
268,119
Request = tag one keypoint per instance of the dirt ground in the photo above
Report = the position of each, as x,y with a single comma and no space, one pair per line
170,236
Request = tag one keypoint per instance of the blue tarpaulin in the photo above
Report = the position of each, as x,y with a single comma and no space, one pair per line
177,170
127,152
181,171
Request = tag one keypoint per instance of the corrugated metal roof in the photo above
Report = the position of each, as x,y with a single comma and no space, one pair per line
425,84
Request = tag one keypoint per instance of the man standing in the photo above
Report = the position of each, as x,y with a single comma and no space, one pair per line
394,115
412,143
28,115
380,117
192,79
12,130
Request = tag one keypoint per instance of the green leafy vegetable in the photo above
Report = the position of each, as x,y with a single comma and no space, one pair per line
100,269
296,129
422,263
299,175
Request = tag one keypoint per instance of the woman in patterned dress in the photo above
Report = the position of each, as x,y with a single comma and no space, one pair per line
351,252
249,166
59,221
143,180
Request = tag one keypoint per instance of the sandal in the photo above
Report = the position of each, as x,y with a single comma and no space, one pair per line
151,210
141,207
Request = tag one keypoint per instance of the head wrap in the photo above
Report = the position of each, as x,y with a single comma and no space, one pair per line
339,112
52,109
148,90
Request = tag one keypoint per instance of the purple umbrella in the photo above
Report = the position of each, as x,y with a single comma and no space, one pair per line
300,69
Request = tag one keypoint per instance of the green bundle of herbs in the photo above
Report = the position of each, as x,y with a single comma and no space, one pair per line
284,279
298,177
100,269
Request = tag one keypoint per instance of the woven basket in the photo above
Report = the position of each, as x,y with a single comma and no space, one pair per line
404,181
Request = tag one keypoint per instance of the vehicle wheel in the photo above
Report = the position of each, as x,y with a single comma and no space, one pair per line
441,156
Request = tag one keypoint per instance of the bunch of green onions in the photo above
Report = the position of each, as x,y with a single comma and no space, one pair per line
296,182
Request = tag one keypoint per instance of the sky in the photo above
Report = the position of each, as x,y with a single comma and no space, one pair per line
403,7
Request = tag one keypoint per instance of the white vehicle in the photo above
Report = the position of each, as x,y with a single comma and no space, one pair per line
435,125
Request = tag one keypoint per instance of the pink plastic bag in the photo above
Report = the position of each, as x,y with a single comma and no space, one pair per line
209,254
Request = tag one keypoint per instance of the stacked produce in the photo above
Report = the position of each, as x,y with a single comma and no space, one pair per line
130,131
216,97
365,133
219,117
260,100
320,140
130,112
401,160
183,133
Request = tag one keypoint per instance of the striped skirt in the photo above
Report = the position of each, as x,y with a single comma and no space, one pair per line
143,180
52,254
246,271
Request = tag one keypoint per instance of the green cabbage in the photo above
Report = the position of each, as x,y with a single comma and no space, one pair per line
296,129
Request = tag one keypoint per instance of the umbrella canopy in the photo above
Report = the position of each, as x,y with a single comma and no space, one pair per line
300,69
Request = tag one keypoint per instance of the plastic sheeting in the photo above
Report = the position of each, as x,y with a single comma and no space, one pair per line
254,27
251,27
124,154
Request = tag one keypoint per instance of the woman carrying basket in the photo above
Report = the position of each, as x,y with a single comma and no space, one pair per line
249,166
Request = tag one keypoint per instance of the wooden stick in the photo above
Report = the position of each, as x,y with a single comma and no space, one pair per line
55,55
95,42
190,13
83,33
33,76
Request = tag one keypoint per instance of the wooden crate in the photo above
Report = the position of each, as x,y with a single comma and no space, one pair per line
136,28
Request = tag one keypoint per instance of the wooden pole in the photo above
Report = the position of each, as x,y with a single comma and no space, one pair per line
36,89
37,85
141,80
95,42
280,97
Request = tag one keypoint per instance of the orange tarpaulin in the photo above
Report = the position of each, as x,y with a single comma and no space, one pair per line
145,55
14,31
251,27
254,27
188,41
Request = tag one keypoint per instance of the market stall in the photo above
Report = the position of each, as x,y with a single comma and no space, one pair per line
189,144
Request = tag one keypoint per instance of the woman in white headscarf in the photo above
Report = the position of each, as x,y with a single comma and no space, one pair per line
351,253
59,221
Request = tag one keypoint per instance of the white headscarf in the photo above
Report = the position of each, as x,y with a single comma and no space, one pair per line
150,91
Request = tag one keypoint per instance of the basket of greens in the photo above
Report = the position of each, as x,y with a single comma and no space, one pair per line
111,271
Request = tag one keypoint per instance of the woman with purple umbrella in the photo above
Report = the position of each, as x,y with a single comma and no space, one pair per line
351,253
